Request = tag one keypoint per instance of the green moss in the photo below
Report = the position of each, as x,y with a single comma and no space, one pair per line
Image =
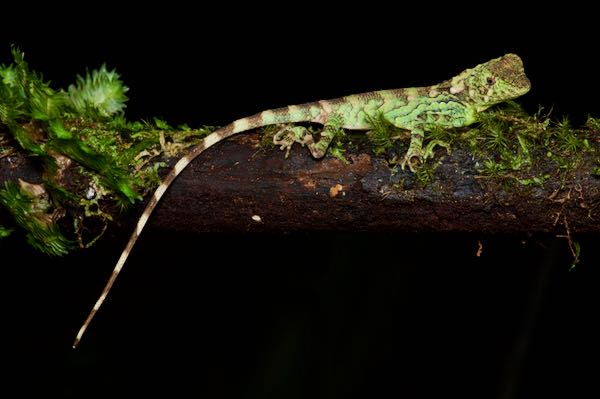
111,162
492,168
534,181
81,132
424,174
99,94
32,210
266,138
338,145
508,144
567,141
5,232
593,124
383,134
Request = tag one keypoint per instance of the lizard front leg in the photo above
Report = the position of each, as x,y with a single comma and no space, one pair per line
287,136
415,150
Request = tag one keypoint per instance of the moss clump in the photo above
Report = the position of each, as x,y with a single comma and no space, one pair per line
32,209
383,134
92,157
507,143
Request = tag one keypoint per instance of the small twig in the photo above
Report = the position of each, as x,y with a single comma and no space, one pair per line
573,245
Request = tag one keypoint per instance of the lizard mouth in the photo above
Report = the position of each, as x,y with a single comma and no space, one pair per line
523,82
510,69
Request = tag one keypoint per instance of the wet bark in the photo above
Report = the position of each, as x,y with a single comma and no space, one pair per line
237,187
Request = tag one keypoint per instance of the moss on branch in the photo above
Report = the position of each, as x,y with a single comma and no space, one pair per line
96,162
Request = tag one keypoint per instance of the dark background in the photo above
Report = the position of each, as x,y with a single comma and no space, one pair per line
304,314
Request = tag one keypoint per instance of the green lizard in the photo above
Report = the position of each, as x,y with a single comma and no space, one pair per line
452,103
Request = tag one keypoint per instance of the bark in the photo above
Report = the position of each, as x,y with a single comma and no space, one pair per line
232,185
236,186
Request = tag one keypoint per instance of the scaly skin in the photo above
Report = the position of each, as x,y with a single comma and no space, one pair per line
453,103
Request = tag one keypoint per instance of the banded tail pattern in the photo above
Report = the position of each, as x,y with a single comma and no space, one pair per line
294,113
453,103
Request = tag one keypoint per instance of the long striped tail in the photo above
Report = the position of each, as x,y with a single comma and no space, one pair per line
280,115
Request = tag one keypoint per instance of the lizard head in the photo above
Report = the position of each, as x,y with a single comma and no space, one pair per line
493,82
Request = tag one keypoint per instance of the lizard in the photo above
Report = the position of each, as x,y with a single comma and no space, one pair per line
456,102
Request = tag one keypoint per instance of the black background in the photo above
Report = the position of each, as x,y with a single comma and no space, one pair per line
304,315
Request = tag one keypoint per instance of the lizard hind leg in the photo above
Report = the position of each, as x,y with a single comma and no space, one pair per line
287,136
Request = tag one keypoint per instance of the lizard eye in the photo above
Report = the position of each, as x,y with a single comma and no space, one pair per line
491,81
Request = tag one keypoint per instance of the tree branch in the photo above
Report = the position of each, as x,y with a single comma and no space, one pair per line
237,186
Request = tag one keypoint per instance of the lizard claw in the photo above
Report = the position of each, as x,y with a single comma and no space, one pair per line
409,159
287,136
284,139
422,155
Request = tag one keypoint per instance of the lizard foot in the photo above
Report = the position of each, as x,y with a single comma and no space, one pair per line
287,136
416,156
428,152
413,157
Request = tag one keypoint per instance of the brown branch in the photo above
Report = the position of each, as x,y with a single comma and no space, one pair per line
236,186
